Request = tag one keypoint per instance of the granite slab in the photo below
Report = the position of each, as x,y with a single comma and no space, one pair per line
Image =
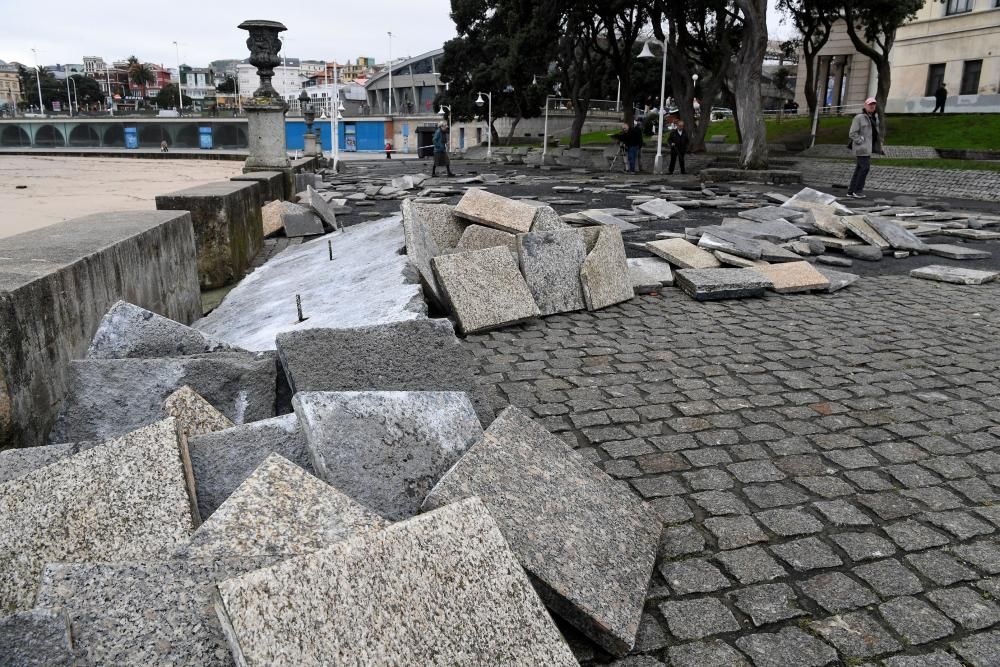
895,234
383,358
827,220
779,230
953,274
683,254
868,253
341,605
834,242
551,264
36,638
972,234
858,225
130,331
604,275
492,210
485,289
793,277
279,510
588,544
367,282
306,223
152,613
838,279
322,208
600,217
444,227
661,208
719,284
734,244
739,262
225,459
126,499
15,463
386,449
273,212
769,213
957,251
421,248
810,196
108,397
194,415
547,220
477,237
649,274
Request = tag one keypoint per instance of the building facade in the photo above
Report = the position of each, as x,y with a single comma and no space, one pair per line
287,81
10,87
415,83
198,83
844,77
93,64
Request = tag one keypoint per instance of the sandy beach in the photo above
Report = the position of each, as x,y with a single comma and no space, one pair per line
60,188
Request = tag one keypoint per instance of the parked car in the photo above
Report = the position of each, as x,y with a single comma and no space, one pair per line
721,113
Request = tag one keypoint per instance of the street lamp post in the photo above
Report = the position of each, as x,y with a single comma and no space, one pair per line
38,80
336,107
441,112
545,130
180,85
489,122
390,73
111,98
646,53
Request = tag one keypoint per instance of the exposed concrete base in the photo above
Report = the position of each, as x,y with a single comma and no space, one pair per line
58,282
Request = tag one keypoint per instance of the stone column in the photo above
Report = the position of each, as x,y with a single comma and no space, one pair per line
266,111
309,147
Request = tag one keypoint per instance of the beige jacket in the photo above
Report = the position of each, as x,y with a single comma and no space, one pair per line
861,135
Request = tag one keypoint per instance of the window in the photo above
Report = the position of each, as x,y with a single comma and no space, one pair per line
935,76
970,77
958,7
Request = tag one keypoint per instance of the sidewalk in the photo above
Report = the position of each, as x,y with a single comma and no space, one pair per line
951,183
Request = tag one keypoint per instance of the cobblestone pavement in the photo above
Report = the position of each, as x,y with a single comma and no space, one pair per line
826,466
963,184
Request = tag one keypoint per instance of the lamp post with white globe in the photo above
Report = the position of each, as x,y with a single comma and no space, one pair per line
646,53
441,113
489,122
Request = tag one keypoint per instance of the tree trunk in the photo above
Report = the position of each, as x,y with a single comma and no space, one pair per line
513,126
749,61
576,128
810,86
882,93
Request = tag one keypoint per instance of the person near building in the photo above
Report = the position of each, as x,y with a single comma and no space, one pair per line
163,146
388,149
631,138
679,141
866,140
940,98
441,158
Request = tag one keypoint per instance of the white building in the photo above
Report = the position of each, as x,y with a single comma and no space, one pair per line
288,79
93,64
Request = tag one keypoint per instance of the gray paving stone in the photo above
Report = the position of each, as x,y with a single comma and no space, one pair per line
492,210
719,503
605,219
130,331
386,449
36,638
649,274
693,576
750,565
789,522
889,578
551,263
888,506
984,555
128,498
733,532
681,541
913,536
895,234
718,284
767,603
864,546
566,547
683,254
982,650
454,559
661,208
856,635
915,620
788,646
110,397
966,607
842,513
604,274
954,274
941,568
836,592
806,554
713,652
484,288
698,618
935,659
957,251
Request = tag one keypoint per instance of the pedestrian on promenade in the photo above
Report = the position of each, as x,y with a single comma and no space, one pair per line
441,158
679,141
163,146
866,140
388,150
631,137
940,98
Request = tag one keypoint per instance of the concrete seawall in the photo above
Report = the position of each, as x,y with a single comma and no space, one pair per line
58,282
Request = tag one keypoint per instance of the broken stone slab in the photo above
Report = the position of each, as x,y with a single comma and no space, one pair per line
771,230
589,545
130,331
661,208
864,252
838,279
36,638
383,358
551,264
484,289
442,224
222,460
733,244
194,415
476,606
126,499
599,217
719,284
108,397
955,275
386,449
683,254
972,234
322,208
477,237
833,260
547,219
302,224
493,210
649,274
280,510
811,196
858,225
828,221
150,613
957,251
793,277
834,242
604,274
367,282
895,234
272,214
421,248
740,262
772,213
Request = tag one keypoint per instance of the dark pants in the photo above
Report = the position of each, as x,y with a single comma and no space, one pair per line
860,174
676,155
633,158
940,105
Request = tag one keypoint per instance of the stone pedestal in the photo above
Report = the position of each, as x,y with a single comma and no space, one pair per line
266,135
309,147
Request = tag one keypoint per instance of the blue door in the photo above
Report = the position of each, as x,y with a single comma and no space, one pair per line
131,137
205,137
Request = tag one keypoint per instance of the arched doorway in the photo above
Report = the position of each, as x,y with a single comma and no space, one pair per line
84,135
49,136
150,136
14,135
187,136
230,136
114,136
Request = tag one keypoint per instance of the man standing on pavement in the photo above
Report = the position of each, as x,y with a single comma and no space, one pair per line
940,98
441,158
866,140
631,138
678,142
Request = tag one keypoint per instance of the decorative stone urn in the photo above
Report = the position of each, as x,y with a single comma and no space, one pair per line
264,45
266,111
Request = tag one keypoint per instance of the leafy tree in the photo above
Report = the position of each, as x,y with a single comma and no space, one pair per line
167,97
613,34
872,26
141,74
228,85
814,20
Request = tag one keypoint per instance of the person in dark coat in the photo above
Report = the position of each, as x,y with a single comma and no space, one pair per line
866,140
631,137
441,158
679,141
940,98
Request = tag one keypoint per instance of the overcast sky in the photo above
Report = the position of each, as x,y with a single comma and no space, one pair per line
63,31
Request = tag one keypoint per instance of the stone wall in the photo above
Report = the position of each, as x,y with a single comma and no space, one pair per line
58,282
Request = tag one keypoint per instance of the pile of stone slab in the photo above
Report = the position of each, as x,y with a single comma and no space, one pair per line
194,539
315,215
492,261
